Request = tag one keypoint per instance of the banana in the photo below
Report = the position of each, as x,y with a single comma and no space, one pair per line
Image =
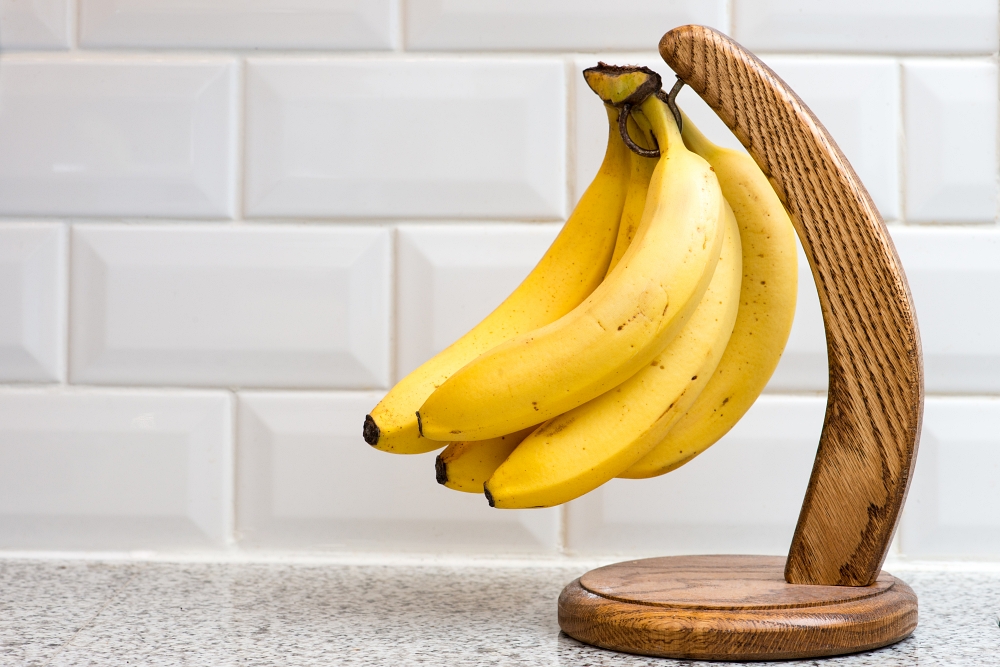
578,451
465,466
631,316
767,307
638,186
571,269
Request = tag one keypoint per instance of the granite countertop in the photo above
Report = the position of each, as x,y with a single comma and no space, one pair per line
289,613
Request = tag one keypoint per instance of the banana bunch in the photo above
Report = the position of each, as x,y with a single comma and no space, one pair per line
643,335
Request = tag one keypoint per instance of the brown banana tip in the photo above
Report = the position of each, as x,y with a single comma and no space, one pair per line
371,431
420,426
440,470
489,497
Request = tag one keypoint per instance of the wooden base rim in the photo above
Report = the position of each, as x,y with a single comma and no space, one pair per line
731,608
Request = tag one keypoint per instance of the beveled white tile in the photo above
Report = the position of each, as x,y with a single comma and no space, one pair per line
953,508
406,137
119,136
263,24
221,306
803,365
591,122
35,24
857,100
566,25
114,469
449,277
857,26
742,495
951,162
307,480
954,276
32,302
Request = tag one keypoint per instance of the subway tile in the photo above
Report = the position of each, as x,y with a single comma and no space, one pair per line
33,302
264,24
950,120
857,100
450,277
117,136
219,305
954,276
953,507
406,137
855,26
561,25
38,24
307,480
112,469
742,495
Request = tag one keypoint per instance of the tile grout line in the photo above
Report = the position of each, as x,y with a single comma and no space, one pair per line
90,621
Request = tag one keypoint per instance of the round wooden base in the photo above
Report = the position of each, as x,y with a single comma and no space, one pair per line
731,608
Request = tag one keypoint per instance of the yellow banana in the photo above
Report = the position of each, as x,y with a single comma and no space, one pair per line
578,451
767,307
465,466
571,269
638,186
617,330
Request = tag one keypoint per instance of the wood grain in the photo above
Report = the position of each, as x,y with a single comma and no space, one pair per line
870,434
730,607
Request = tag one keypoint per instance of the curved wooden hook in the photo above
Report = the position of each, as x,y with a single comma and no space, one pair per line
875,403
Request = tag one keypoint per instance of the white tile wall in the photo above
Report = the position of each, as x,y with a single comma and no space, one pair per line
211,305
115,469
307,480
452,276
851,26
122,136
435,148
953,510
406,137
262,24
35,24
551,25
951,155
954,275
32,302
742,495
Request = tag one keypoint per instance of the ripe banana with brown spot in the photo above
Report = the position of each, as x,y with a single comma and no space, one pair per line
631,316
578,451
767,307
573,266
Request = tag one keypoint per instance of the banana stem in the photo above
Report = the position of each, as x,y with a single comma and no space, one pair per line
670,99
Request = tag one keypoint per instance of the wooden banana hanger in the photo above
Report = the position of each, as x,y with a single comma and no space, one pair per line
829,596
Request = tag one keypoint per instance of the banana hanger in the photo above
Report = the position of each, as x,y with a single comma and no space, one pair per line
829,596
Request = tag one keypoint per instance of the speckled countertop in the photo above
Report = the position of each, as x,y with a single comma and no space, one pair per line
85,612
